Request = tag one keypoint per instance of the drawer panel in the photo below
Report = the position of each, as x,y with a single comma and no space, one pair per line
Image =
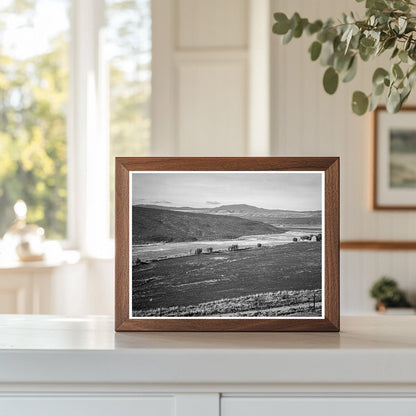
87,406
272,406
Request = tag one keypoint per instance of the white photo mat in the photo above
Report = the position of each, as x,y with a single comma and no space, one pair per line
322,196
386,195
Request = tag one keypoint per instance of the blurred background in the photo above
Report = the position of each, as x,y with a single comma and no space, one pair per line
83,81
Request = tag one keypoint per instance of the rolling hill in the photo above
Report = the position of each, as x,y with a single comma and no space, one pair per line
152,225
276,217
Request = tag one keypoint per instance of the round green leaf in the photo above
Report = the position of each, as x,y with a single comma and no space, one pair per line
403,55
393,101
359,103
395,52
351,71
327,54
294,20
315,50
365,53
281,27
314,27
397,71
367,42
341,61
330,80
300,25
389,43
379,75
322,36
378,90
403,96
376,4
288,37
374,102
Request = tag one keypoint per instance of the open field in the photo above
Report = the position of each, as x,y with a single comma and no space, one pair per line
282,303
226,276
163,251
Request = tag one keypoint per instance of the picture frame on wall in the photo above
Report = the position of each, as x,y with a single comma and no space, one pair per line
227,244
394,159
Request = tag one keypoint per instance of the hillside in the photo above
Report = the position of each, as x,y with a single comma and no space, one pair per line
277,217
157,225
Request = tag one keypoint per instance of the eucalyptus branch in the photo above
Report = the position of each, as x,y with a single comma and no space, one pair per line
389,25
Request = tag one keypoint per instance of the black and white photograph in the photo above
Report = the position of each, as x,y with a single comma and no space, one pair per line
226,244
394,157
403,158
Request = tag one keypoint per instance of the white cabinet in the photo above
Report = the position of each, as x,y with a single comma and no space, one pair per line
270,406
80,366
64,286
26,291
40,288
203,405
87,406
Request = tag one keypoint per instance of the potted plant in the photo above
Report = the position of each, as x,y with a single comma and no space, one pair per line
387,294
389,27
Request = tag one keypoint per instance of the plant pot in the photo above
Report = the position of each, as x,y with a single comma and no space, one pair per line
382,309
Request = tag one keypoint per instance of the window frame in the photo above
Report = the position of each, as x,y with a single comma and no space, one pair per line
87,133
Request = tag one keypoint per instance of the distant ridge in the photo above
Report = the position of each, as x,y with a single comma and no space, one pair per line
241,208
165,225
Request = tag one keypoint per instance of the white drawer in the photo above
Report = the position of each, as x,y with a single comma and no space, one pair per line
272,406
87,406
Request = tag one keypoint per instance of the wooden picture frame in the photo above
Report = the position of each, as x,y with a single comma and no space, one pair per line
394,184
269,169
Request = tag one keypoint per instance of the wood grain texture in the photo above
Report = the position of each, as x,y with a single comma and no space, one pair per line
332,225
329,165
376,204
378,245
122,249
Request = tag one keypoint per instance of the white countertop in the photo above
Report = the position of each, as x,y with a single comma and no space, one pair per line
50,349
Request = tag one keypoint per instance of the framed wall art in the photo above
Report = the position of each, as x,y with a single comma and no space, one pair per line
227,244
394,159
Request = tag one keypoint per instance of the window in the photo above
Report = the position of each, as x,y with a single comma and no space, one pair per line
33,99
129,46
75,87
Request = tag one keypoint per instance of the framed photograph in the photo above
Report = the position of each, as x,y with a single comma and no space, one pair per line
394,183
227,244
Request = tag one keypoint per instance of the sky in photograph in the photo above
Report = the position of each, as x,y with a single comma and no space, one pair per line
297,191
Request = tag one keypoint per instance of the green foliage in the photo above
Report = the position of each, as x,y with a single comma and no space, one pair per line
33,99
359,103
282,25
315,50
330,80
389,26
387,292
34,104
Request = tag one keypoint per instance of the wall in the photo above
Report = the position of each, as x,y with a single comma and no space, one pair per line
308,122
204,88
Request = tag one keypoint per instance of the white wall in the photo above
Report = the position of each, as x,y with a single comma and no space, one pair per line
308,122
202,88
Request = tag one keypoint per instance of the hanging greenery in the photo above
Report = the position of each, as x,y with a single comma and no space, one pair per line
389,27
